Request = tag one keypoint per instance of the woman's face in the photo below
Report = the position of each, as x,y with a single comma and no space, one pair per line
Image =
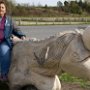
2,10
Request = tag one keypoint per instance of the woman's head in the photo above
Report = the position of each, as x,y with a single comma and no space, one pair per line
2,8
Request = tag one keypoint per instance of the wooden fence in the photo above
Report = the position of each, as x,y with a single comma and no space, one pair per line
54,20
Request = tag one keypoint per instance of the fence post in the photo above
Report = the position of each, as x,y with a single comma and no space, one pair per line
19,21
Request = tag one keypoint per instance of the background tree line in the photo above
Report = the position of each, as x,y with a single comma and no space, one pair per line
69,8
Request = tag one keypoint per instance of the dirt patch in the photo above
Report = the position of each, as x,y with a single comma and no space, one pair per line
65,86
72,86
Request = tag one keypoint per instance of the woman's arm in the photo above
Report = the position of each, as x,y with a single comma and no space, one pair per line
17,32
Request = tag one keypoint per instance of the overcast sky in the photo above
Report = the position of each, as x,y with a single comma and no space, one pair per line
38,2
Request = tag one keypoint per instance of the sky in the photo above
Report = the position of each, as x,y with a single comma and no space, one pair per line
39,2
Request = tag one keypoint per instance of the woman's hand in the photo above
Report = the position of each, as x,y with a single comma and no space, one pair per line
16,39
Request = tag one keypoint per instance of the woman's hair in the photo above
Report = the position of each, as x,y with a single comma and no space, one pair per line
3,2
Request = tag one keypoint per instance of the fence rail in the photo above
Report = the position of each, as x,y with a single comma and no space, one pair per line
54,20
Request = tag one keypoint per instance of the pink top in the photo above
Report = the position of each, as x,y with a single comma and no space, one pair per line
2,24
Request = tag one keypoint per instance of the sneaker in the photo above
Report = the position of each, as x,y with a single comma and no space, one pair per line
3,78
0,78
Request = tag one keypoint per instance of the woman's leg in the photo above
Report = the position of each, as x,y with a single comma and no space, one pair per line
6,58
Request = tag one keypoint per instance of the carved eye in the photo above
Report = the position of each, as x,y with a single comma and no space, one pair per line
75,56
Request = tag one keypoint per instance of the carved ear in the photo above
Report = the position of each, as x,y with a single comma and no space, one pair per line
86,37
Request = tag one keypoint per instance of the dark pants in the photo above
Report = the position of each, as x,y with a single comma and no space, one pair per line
5,58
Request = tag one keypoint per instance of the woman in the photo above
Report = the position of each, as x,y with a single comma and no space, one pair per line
7,29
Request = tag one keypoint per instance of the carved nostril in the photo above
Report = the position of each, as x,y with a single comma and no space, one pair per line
29,87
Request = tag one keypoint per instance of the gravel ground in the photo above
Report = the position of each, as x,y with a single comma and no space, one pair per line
65,86
72,86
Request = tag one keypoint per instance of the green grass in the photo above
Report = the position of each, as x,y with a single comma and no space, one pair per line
68,78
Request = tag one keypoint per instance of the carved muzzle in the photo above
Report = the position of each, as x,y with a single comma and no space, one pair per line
86,37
